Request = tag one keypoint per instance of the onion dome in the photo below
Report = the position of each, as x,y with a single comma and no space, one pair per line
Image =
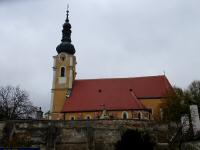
66,46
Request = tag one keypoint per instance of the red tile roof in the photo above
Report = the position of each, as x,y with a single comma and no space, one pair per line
115,93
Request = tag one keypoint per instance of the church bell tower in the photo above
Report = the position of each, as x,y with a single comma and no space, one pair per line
64,72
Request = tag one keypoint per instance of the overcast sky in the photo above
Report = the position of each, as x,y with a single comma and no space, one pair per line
112,38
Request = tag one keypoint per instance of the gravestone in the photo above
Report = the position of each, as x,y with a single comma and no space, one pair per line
195,119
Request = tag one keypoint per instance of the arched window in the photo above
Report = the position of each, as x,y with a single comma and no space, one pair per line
139,115
72,118
88,117
62,72
125,115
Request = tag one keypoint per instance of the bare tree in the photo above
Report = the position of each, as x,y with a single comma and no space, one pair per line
15,103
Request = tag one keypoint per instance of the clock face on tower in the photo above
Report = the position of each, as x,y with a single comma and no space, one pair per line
62,57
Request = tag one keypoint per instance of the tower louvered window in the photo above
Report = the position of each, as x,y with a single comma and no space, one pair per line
62,72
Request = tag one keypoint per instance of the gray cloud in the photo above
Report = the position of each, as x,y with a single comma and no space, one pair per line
112,39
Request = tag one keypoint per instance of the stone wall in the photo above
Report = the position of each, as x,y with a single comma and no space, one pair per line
74,135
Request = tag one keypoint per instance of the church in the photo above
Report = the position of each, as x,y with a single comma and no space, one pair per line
105,98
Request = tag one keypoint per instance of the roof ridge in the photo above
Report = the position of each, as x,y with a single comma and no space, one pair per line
150,76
